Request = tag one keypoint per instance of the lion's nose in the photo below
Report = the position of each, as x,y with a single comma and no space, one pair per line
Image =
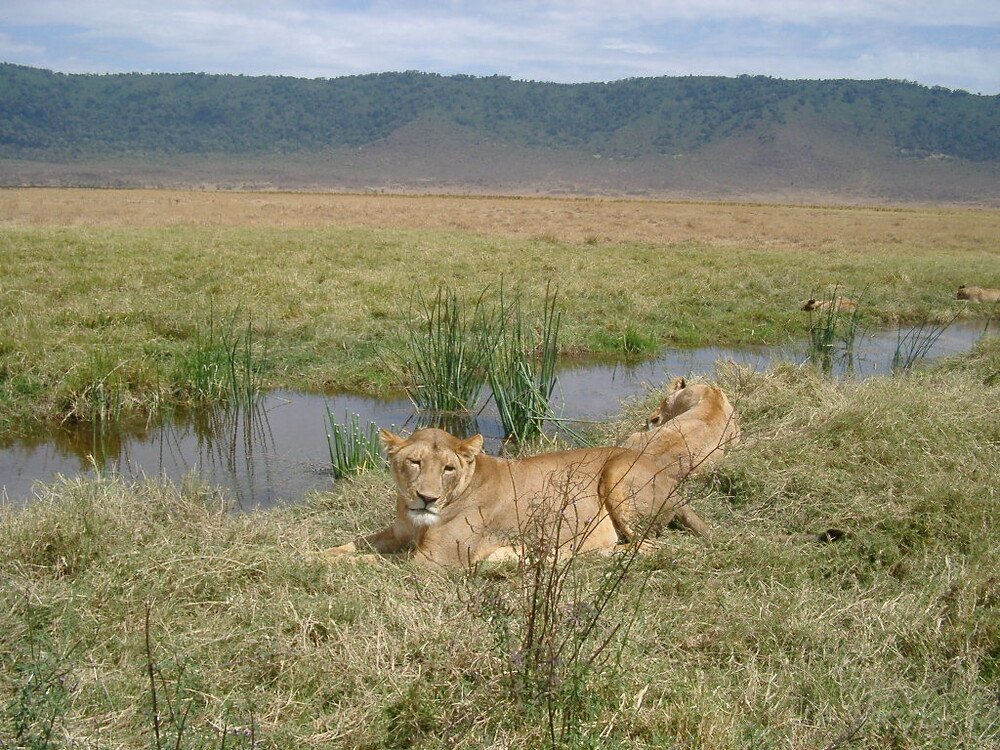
429,500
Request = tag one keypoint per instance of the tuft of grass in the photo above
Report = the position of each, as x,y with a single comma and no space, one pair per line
353,449
222,362
447,351
913,346
522,368
833,336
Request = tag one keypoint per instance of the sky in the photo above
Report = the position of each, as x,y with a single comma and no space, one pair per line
933,42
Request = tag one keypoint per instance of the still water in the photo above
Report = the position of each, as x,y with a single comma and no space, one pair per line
278,451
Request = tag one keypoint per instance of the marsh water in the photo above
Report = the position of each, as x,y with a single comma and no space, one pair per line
277,451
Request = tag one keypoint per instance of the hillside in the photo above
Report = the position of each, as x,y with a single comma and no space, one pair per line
693,136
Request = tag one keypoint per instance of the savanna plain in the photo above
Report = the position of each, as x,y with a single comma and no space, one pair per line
147,615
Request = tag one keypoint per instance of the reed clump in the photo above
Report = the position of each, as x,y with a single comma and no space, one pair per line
223,362
353,449
447,351
914,344
833,334
522,366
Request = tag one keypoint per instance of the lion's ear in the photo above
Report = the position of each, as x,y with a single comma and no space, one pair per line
470,447
677,384
390,441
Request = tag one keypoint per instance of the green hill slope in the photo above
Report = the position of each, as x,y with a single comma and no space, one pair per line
58,118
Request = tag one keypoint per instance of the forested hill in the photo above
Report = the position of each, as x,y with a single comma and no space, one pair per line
750,137
50,115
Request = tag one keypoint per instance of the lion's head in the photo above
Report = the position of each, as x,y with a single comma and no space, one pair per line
682,398
431,468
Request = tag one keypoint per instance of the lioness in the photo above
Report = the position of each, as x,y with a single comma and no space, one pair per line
978,294
456,505
691,429
840,304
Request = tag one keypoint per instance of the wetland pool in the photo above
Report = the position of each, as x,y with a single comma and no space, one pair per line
277,451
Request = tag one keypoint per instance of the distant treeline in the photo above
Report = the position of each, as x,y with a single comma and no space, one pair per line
47,115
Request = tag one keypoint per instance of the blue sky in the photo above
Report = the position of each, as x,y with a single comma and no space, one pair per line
935,42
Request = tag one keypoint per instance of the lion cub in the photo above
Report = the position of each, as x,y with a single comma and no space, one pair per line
690,430
456,506
978,294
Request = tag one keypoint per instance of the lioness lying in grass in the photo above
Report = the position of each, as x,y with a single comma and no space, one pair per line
978,294
690,430
456,506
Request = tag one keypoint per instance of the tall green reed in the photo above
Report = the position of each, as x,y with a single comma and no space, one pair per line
522,368
833,336
448,352
353,448
913,346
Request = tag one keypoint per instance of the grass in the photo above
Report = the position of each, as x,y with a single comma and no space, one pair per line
353,449
223,362
833,335
447,351
522,366
913,346
332,275
757,640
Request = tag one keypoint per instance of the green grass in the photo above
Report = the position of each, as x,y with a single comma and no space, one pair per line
522,367
833,336
756,640
335,301
443,365
353,449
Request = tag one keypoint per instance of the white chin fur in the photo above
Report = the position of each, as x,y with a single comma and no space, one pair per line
423,517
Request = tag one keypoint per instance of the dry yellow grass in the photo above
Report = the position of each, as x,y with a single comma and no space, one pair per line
571,220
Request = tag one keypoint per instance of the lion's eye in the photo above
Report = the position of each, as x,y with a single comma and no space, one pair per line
414,461
449,469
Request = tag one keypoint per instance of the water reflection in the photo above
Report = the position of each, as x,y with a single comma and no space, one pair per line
277,451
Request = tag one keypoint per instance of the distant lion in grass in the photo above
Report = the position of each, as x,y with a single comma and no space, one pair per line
978,294
456,506
840,304
690,430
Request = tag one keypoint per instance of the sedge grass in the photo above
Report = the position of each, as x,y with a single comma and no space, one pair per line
833,335
353,448
754,640
223,362
913,346
522,367
447,351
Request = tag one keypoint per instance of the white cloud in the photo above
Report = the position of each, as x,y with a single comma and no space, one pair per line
932,41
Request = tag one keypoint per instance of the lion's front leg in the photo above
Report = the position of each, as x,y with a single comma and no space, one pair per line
389,541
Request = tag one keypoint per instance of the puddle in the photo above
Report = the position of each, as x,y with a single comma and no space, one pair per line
277,452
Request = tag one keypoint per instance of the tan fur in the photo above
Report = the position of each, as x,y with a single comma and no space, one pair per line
690,430
456,506
842,304
978,294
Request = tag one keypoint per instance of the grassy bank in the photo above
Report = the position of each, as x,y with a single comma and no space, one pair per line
107,310
888,638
